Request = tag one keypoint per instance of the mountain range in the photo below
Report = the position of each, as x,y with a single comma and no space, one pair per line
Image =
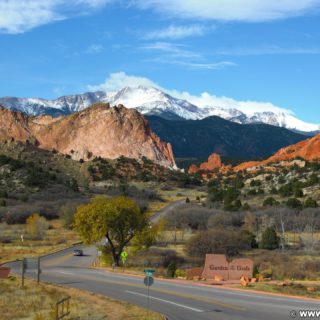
197,139
152,101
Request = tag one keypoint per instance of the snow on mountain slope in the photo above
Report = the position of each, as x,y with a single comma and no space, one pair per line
152,101
149,100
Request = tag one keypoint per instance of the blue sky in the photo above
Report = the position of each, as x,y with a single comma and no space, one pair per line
248,50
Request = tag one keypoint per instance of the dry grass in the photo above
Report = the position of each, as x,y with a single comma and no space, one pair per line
295,237
38,303
56,238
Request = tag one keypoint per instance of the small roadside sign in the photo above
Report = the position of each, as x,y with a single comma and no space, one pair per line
30,264
99,253
149,272
124,256
148,281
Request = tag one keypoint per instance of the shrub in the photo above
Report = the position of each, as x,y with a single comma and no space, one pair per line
312,266
3,203
252,192
310,203
247,237
16,218
270,201
216,241
216,194
3,194
294,203
37,177
274,190
221,219
233,206
269,240
188,216
73,184
246,206
313,179
180,273
36,226
285,190
230,194
255,183
154,257
171,270
66,213
298,193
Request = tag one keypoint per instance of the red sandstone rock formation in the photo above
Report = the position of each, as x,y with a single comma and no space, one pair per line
308,149
214,162
96,131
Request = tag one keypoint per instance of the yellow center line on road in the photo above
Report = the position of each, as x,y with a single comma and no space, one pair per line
169,292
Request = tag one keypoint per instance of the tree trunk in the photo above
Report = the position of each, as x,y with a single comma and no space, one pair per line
116,259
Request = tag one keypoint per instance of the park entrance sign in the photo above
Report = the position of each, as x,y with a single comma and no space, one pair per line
218,265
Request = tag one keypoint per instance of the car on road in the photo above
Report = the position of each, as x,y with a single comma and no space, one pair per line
78,253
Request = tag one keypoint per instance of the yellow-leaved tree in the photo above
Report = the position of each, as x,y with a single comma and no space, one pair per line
36,226
118,219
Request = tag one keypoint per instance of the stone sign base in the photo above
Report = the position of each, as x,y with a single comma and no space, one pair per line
193,273
217,266
4,272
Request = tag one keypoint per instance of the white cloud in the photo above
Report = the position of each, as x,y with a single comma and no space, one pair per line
231,10
174,50
206,99
177,54
119,80
94,49
18,16
266,50
176,32
195,65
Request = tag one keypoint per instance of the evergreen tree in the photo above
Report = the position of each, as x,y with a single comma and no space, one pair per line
310,203
270,239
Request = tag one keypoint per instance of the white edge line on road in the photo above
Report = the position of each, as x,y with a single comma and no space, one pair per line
63,272
166,301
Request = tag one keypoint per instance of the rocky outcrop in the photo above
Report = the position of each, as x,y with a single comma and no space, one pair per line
98,131
308,149
214,162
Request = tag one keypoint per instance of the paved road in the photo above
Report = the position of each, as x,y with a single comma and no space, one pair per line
178,301
164,211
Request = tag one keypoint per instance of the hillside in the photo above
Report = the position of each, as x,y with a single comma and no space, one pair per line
98,131
37,180
307,149
200,138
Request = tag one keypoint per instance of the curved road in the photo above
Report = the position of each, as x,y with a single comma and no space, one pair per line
177,300
165,210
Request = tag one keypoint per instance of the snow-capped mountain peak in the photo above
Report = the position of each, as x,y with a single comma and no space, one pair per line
153,101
